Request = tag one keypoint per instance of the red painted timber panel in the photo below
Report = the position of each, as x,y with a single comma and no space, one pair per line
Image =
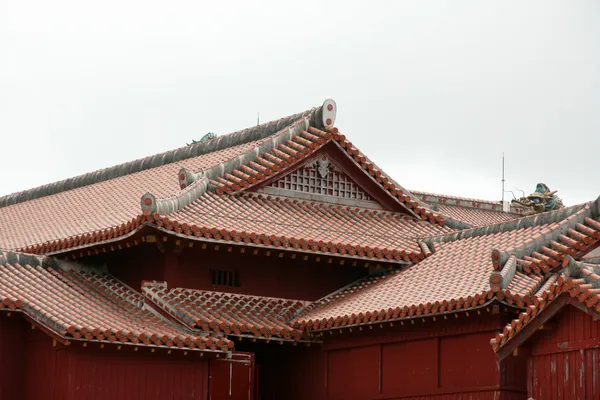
96,374
467,395
564,376
133,265
12,362
232,379
420,330
353,373
468,361
41,358
565,361
409,367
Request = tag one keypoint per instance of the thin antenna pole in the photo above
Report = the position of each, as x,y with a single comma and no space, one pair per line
502,177
258,120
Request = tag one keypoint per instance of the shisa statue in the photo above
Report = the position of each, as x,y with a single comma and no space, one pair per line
543,199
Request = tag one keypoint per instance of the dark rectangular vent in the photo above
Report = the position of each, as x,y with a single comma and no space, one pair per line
224,278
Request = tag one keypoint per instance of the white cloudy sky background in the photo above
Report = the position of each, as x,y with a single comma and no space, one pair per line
433,91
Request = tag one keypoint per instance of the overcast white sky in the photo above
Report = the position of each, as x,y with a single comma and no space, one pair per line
432,91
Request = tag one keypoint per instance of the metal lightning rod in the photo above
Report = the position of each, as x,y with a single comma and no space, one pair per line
503,178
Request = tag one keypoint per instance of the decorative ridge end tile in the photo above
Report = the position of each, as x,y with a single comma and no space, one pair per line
596,207
12,257
219,143
546,286
501,278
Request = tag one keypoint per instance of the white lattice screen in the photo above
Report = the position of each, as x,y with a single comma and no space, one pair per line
321,177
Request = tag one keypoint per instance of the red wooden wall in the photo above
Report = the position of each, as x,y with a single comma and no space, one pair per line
32,366
12,362
450,360
232,379
565,360
95,373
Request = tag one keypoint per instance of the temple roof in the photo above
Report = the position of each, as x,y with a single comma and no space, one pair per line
295,184
211,190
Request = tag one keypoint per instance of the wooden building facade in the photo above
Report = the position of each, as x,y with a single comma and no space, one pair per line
279,262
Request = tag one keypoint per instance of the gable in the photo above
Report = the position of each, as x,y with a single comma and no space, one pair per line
321,178
329,175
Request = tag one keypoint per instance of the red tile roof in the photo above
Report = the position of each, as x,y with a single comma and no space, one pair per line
474,212
458,273
307,225
232,314
89,306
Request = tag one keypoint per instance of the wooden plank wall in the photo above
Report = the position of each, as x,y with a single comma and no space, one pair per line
448,367
12,362
565,360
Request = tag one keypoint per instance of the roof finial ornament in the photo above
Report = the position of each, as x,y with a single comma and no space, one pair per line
208,136
328,112
543,199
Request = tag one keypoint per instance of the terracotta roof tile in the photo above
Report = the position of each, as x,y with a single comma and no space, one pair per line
457,275
474,216
302,224
232,314
91,306
475,212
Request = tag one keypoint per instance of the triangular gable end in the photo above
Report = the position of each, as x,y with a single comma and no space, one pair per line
320,178
330,176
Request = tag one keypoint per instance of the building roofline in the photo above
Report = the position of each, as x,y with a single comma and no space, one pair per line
219,143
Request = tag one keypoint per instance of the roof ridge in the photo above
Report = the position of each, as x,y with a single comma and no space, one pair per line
467,199
21,258
240,294
194,190
537,241
219,143
517,223
424,193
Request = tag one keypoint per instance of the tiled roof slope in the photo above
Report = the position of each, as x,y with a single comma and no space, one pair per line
461,272
89,306
474,212
579,281
111,197
230,313
303,224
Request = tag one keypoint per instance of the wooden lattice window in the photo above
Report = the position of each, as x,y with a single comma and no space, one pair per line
320,176
224,278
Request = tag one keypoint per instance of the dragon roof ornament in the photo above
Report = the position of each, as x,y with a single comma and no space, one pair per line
542,200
